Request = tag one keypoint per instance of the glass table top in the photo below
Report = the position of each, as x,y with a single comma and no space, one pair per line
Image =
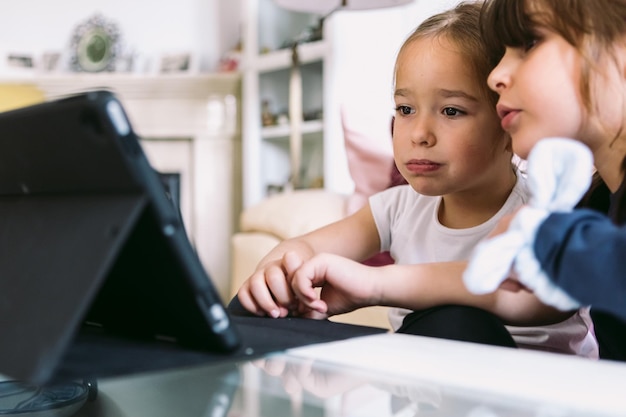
288,385
316,382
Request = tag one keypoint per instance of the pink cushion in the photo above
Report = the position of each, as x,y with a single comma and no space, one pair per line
369,153
370,161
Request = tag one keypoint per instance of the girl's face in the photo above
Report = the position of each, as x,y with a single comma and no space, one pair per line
539,91
446,137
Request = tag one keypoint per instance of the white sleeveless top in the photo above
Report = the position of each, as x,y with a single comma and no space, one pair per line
409,229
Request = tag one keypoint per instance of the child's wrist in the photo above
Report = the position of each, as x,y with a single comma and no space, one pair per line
377,280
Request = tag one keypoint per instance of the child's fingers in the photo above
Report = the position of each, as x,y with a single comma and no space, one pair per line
304,282
249,303
279,287
291,262
316,314
260,294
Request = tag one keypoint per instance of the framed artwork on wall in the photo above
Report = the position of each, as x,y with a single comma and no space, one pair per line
17,62
176,63
50,61
95,45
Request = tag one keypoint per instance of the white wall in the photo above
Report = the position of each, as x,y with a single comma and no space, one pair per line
206,28
366,48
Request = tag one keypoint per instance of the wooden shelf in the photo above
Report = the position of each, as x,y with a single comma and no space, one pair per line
266,78
281,59
283,131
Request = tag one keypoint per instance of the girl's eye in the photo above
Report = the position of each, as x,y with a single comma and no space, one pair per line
452,112
532,38
404,110
530,44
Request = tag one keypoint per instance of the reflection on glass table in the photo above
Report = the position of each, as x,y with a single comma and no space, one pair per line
288,385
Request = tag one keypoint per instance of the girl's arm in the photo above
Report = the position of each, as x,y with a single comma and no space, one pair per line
268,292
346,285
584,253
422,286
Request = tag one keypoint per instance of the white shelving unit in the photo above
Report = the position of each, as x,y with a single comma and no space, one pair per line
266,67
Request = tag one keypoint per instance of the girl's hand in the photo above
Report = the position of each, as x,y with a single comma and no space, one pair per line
345,285
268,290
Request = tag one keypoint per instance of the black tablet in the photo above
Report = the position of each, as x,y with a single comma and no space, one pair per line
90,241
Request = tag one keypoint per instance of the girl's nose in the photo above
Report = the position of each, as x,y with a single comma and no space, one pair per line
495,79
422,133
500,76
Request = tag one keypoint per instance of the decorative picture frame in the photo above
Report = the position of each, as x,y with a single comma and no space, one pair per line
95,45
176,63
20,60
50,61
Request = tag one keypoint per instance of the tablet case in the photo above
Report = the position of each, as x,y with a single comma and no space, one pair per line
89,239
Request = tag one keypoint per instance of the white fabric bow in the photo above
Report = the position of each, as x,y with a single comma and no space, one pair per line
559,173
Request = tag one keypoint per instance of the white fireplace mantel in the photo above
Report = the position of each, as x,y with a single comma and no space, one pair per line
189,124
141,86
161,105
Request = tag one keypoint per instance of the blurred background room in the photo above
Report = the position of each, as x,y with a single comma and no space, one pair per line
206,84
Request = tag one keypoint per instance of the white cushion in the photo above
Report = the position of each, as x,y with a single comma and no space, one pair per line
293,213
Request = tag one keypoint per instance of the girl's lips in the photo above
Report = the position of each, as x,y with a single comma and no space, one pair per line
508,119
422,166
506,115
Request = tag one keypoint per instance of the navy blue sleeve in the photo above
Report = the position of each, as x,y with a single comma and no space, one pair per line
584,253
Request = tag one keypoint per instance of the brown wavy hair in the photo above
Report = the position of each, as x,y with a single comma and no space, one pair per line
592,27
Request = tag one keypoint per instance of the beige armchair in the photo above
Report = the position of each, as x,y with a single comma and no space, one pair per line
287,215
